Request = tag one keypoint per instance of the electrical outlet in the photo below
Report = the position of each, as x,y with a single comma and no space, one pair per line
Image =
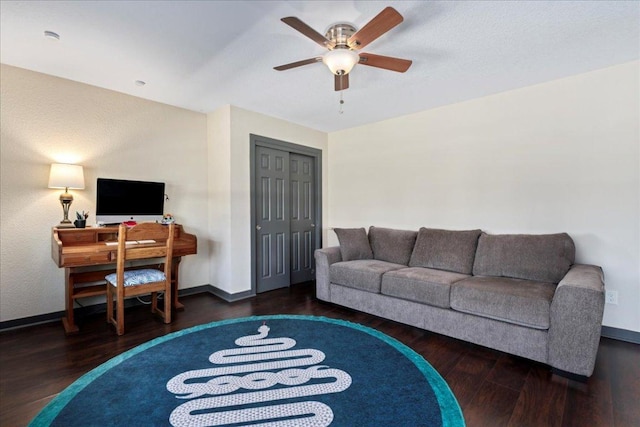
611,297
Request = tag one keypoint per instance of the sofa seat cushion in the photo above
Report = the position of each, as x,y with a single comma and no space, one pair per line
522,302
365,274
423,285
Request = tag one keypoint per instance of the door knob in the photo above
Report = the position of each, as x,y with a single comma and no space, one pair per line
313,225
258,227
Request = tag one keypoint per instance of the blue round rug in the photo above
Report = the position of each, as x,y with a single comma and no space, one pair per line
261,371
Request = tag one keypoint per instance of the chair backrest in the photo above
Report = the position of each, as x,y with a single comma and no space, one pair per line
144,241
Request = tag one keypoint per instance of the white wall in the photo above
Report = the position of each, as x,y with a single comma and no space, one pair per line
231,271
559,156
219,138
46,120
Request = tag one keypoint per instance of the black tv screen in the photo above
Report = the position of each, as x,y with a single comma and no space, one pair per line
119,200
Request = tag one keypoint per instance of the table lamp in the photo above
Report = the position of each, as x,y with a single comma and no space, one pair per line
66,176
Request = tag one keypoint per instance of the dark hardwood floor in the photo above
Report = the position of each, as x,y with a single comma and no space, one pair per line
493,388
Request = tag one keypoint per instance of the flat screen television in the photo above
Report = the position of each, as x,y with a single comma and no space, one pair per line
119,200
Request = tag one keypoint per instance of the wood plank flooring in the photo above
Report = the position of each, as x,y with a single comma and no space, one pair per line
494,389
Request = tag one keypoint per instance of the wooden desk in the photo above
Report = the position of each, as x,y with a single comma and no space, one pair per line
87,258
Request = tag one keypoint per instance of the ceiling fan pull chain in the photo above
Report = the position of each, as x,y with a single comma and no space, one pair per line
341,101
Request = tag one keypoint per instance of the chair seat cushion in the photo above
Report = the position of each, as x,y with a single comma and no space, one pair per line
365,274
137,277
424,285
522,302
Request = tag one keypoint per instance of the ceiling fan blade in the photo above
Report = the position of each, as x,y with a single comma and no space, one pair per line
298,63
386,62
383,22
297,24
341,82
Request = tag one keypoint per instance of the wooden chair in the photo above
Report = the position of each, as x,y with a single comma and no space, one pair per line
133,282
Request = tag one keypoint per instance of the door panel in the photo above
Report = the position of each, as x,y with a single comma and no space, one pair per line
301,175
272,219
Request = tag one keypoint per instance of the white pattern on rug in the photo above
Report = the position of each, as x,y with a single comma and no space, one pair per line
256,356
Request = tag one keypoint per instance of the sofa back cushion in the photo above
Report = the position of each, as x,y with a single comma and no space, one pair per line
392,245
542,257
445,250
354,244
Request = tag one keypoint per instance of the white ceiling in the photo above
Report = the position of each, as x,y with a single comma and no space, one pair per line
201,55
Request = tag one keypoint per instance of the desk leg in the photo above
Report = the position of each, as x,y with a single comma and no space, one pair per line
69,326
175,267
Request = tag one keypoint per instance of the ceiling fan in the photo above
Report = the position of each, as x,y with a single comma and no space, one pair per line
343,40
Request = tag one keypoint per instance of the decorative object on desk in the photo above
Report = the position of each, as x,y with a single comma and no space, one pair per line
267,370
168,219
68,177
81,219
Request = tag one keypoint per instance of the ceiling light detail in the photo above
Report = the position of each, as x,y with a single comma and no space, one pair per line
340,60
343,41
51,35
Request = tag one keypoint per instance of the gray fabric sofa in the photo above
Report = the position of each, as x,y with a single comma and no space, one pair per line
521,294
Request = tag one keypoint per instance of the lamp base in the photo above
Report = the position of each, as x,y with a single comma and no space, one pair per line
65,225
65,200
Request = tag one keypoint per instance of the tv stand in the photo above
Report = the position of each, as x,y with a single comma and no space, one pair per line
87,258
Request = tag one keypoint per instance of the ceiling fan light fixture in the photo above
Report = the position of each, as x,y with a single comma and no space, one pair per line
340,61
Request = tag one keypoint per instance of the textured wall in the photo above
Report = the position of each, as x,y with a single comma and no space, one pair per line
559,156
46,120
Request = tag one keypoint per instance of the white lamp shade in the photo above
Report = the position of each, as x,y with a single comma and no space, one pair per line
340,61
66,176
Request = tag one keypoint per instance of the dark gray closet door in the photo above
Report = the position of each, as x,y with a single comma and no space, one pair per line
272,219
303,209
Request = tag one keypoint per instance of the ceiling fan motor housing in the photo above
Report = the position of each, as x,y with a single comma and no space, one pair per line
339,34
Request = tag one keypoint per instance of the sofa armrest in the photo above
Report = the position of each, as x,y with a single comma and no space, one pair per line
576,320
324,258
